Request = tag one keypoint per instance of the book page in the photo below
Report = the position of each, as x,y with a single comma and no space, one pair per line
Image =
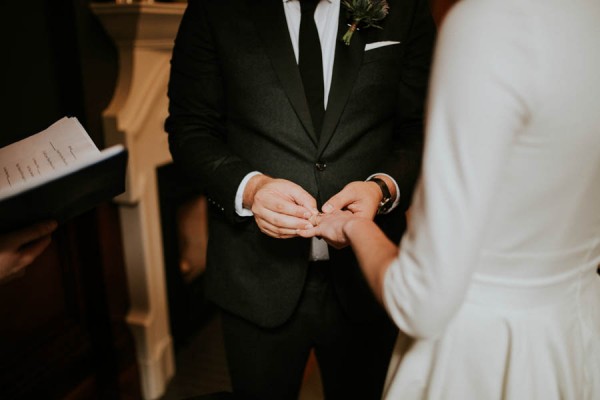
63,145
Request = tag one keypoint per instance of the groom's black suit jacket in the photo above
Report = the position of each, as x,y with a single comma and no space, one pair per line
237,105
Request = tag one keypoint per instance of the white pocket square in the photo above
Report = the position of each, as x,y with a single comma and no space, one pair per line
374,45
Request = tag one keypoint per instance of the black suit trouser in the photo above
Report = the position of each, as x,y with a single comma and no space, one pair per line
269,363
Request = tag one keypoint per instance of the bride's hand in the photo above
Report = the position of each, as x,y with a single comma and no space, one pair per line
330,227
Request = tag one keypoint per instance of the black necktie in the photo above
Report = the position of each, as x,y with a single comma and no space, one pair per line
311,62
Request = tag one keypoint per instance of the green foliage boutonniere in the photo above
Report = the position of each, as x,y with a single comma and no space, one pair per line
365,13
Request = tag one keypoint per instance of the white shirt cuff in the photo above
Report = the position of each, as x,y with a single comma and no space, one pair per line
239,196
397,199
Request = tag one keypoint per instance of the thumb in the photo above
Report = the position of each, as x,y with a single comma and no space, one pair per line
337,202
33,232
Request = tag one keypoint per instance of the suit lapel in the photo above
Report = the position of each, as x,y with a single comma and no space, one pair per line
271,25
345,70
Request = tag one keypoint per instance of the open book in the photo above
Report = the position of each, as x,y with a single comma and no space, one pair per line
57,174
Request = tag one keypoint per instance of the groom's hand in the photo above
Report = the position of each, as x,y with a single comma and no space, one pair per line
280,207
361,198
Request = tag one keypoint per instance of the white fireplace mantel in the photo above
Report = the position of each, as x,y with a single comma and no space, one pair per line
144,35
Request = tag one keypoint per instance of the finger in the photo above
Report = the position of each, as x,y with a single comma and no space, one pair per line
33,232
314,219
338,202
284,221
276,232
32,250
294,210
281,204
304,199
309,233
363,211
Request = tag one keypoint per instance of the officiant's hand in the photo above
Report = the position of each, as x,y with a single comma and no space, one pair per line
360,198
280,207
20,248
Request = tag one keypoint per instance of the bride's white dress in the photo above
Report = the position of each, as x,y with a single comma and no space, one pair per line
495,284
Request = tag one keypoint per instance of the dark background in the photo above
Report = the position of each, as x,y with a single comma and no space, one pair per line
62,324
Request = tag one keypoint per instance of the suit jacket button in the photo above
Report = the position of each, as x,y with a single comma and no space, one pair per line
321,166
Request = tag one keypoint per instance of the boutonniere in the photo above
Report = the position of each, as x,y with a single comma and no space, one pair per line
364,13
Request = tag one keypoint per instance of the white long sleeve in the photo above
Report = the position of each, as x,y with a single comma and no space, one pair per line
475,112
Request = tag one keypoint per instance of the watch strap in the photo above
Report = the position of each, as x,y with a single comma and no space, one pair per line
386,200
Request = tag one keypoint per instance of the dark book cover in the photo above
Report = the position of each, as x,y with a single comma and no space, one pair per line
67,195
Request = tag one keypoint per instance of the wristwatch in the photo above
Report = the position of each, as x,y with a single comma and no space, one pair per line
386,202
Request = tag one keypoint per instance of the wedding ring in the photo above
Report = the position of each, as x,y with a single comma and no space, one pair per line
314,219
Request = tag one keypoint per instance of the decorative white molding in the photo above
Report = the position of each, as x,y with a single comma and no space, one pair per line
144,33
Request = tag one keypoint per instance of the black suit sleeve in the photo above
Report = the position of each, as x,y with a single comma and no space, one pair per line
196,124
405,161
